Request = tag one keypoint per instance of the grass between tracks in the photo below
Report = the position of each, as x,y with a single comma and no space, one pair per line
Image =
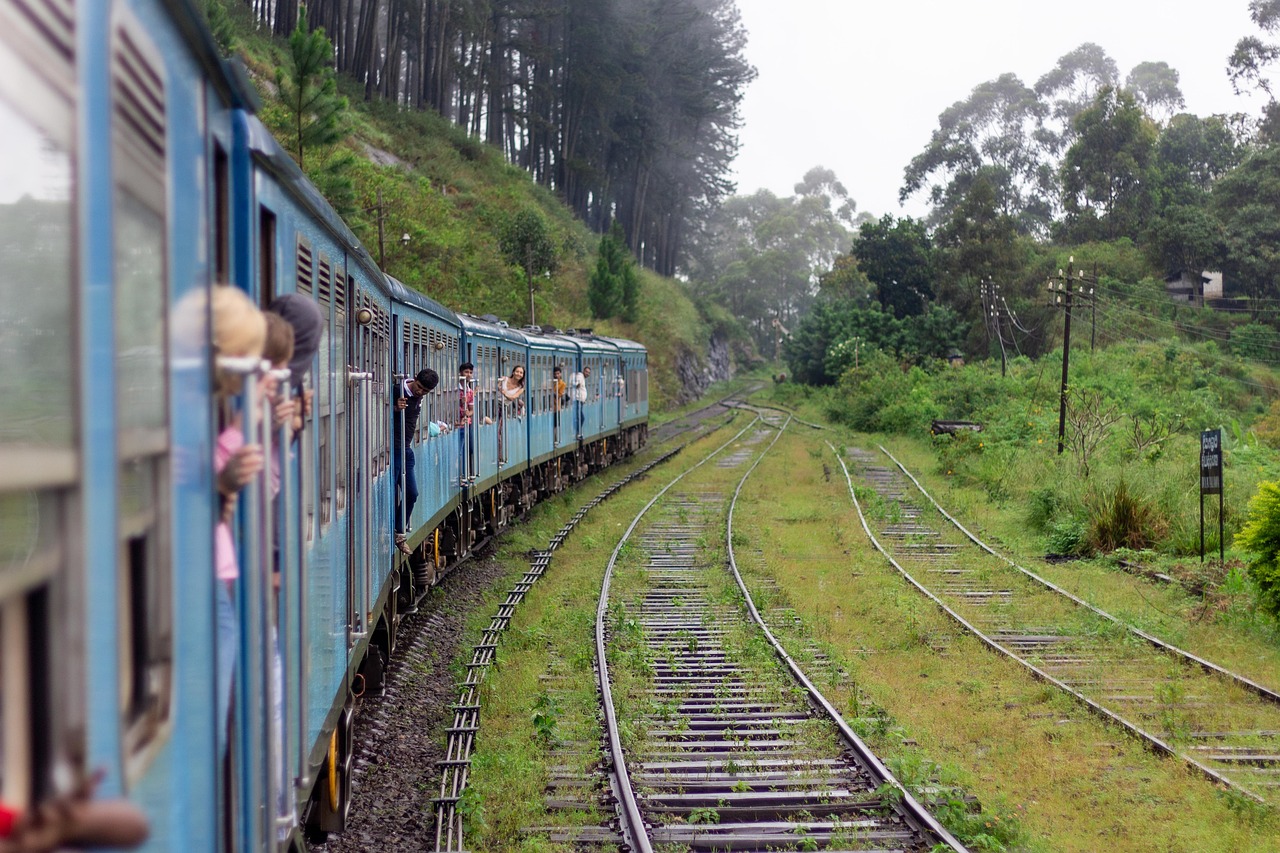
1220,624
539,706
934,702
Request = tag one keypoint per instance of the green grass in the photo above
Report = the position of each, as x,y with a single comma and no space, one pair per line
1223,626
530,721
453,195
1024,749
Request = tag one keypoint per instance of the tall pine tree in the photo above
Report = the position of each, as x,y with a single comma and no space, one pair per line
614,289
309,92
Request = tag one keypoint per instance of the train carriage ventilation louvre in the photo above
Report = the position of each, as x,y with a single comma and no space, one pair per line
344,392
304,275
40,657
325,392
138,133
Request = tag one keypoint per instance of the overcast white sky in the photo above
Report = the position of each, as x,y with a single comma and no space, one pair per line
857,85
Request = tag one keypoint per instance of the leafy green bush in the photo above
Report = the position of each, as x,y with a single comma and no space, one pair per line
1261,537
1067,537
1255,340
1044,505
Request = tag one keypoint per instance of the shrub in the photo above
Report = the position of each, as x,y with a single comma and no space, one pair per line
1261,537
1255,340
1066,537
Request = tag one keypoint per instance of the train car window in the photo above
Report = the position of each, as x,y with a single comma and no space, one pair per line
266,256
424,357
221,213
343,391
140,161
365,361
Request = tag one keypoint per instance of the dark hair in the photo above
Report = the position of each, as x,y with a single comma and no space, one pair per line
308,323
427,378
519,381
279,346
466,365
555,370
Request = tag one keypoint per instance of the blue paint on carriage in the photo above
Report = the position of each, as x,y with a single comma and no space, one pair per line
174,778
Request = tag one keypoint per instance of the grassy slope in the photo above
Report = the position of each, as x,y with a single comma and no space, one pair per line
452,196
996,484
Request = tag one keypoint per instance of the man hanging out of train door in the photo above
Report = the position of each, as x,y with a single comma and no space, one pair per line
408,399
466,412
559,399
578,387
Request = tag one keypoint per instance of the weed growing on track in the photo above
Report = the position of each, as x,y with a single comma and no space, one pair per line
1221,623
913,684
539,706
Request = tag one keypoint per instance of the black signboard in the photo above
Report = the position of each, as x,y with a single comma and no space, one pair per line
1211,462
1211,481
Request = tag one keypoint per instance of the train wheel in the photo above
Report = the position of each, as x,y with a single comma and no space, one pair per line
333,788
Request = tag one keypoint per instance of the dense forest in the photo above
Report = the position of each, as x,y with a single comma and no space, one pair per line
1085,162
628,109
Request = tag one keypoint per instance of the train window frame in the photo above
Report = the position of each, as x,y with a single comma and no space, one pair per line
268,280
140,160
343,424
41,656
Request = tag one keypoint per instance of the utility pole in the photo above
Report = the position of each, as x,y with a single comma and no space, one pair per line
1063,289
1092,281
991,302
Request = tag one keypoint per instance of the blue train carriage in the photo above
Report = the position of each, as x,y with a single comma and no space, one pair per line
343,593
631,388
106,496
428,335
552,434
596,417
494,450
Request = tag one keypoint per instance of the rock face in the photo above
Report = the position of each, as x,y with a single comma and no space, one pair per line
697,372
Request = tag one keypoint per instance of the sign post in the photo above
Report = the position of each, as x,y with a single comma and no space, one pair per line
1211,482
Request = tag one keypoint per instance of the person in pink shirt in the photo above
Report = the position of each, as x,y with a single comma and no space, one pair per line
239,330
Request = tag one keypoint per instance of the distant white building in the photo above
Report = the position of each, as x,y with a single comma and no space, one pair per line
1195,288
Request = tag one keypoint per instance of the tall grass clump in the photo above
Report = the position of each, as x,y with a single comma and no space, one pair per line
1121,518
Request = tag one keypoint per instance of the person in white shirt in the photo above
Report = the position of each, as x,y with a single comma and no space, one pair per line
578,388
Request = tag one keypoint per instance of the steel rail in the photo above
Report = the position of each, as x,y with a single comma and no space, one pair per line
1209,666
455,768
1152,740
632,823
910,804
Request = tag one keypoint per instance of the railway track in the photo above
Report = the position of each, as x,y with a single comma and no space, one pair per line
461,734
715,738
1225,726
